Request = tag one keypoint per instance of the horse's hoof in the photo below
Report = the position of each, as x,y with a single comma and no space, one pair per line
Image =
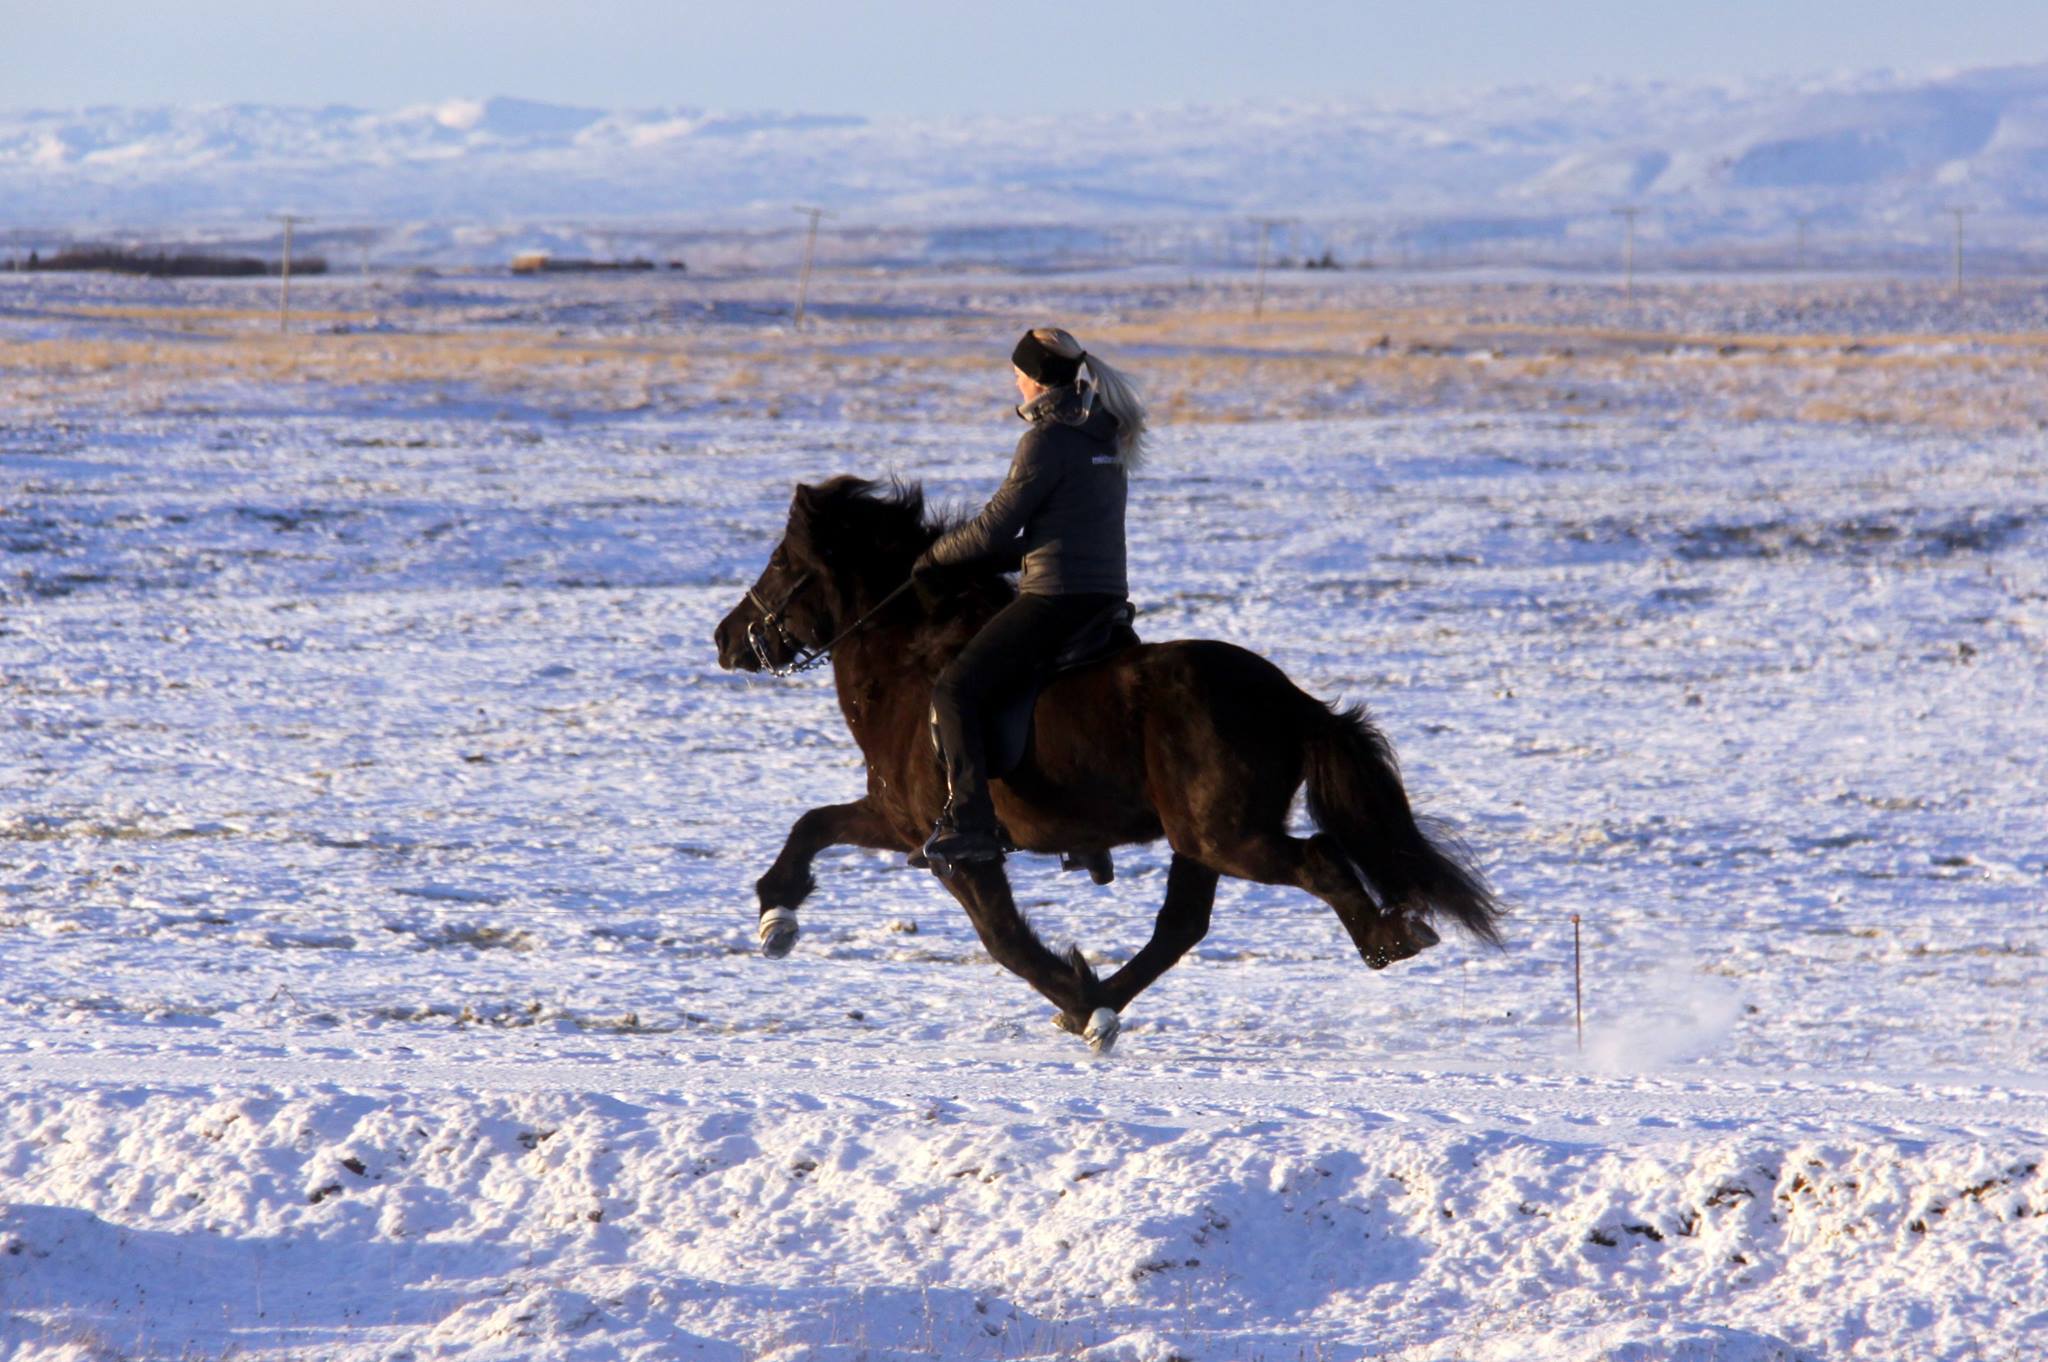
778,932
1101,1031
1422,936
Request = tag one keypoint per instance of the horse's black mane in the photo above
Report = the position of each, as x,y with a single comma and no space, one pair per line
881,527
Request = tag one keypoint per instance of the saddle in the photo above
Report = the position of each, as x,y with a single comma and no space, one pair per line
1008,736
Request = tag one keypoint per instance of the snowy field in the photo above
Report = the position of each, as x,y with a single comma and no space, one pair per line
377,970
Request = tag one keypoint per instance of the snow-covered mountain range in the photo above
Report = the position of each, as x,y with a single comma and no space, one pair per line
1880,157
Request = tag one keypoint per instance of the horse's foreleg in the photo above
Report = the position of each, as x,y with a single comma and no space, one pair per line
788,882
984,891
1183,921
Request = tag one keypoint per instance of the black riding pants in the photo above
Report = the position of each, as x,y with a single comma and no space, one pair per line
1011,652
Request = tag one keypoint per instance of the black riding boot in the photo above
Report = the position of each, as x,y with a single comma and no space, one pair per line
967,830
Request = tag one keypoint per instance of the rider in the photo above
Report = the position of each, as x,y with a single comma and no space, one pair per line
1062,508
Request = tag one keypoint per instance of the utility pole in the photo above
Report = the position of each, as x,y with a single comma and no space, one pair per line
284,273
1628,251
1959,212
803,283
1266,226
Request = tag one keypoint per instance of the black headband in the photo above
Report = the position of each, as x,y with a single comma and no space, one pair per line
1042,364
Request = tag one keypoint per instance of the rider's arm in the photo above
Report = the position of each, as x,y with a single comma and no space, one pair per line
1031,480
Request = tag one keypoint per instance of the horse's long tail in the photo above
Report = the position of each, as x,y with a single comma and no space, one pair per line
1355,795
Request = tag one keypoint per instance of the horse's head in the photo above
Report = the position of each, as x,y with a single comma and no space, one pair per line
842,536
787,607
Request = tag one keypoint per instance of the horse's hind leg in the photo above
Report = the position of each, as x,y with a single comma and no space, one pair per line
788,882
1183,921
984,891
1318,865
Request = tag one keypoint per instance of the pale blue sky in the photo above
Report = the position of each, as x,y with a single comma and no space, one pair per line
917,56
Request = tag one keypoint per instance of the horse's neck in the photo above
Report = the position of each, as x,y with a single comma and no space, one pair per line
882,673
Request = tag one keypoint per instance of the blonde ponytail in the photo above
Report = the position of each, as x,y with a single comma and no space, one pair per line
1113,389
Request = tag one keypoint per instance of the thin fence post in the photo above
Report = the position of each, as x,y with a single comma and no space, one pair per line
1578,993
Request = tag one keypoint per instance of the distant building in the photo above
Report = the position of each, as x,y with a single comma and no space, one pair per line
541,262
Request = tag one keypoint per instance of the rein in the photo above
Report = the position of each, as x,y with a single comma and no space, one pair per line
803,661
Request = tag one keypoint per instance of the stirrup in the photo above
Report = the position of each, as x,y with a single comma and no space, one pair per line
950,846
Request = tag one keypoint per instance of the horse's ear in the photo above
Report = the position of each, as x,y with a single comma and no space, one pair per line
803,507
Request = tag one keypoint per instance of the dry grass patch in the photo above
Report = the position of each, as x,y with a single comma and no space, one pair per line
1197,366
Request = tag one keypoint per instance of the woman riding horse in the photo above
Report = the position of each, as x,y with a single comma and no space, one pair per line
1196,742
1062,508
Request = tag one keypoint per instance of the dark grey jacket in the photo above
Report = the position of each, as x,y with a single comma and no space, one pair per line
1062,506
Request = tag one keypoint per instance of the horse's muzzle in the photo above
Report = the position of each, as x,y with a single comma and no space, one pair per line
735,650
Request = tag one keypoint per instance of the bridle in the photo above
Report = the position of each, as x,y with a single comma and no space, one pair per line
771,618
801,660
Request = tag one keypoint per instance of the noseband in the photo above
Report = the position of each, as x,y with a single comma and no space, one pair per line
801,659
771,618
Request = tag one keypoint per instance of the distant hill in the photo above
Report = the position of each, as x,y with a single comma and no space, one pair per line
1880,156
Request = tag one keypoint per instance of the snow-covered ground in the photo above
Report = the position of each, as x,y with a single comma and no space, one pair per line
378,834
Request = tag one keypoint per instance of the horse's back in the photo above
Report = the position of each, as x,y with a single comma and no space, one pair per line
1233,687
1179,693
1119,740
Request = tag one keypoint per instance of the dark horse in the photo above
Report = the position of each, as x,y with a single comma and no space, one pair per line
1199,742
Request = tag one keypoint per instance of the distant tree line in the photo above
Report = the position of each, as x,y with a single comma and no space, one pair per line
161,264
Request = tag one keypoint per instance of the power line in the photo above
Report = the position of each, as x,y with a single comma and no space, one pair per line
1628,251
284,273
803,285
1266,226
1959,211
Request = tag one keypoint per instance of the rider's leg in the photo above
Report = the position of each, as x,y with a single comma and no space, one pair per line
1008,652
967,690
